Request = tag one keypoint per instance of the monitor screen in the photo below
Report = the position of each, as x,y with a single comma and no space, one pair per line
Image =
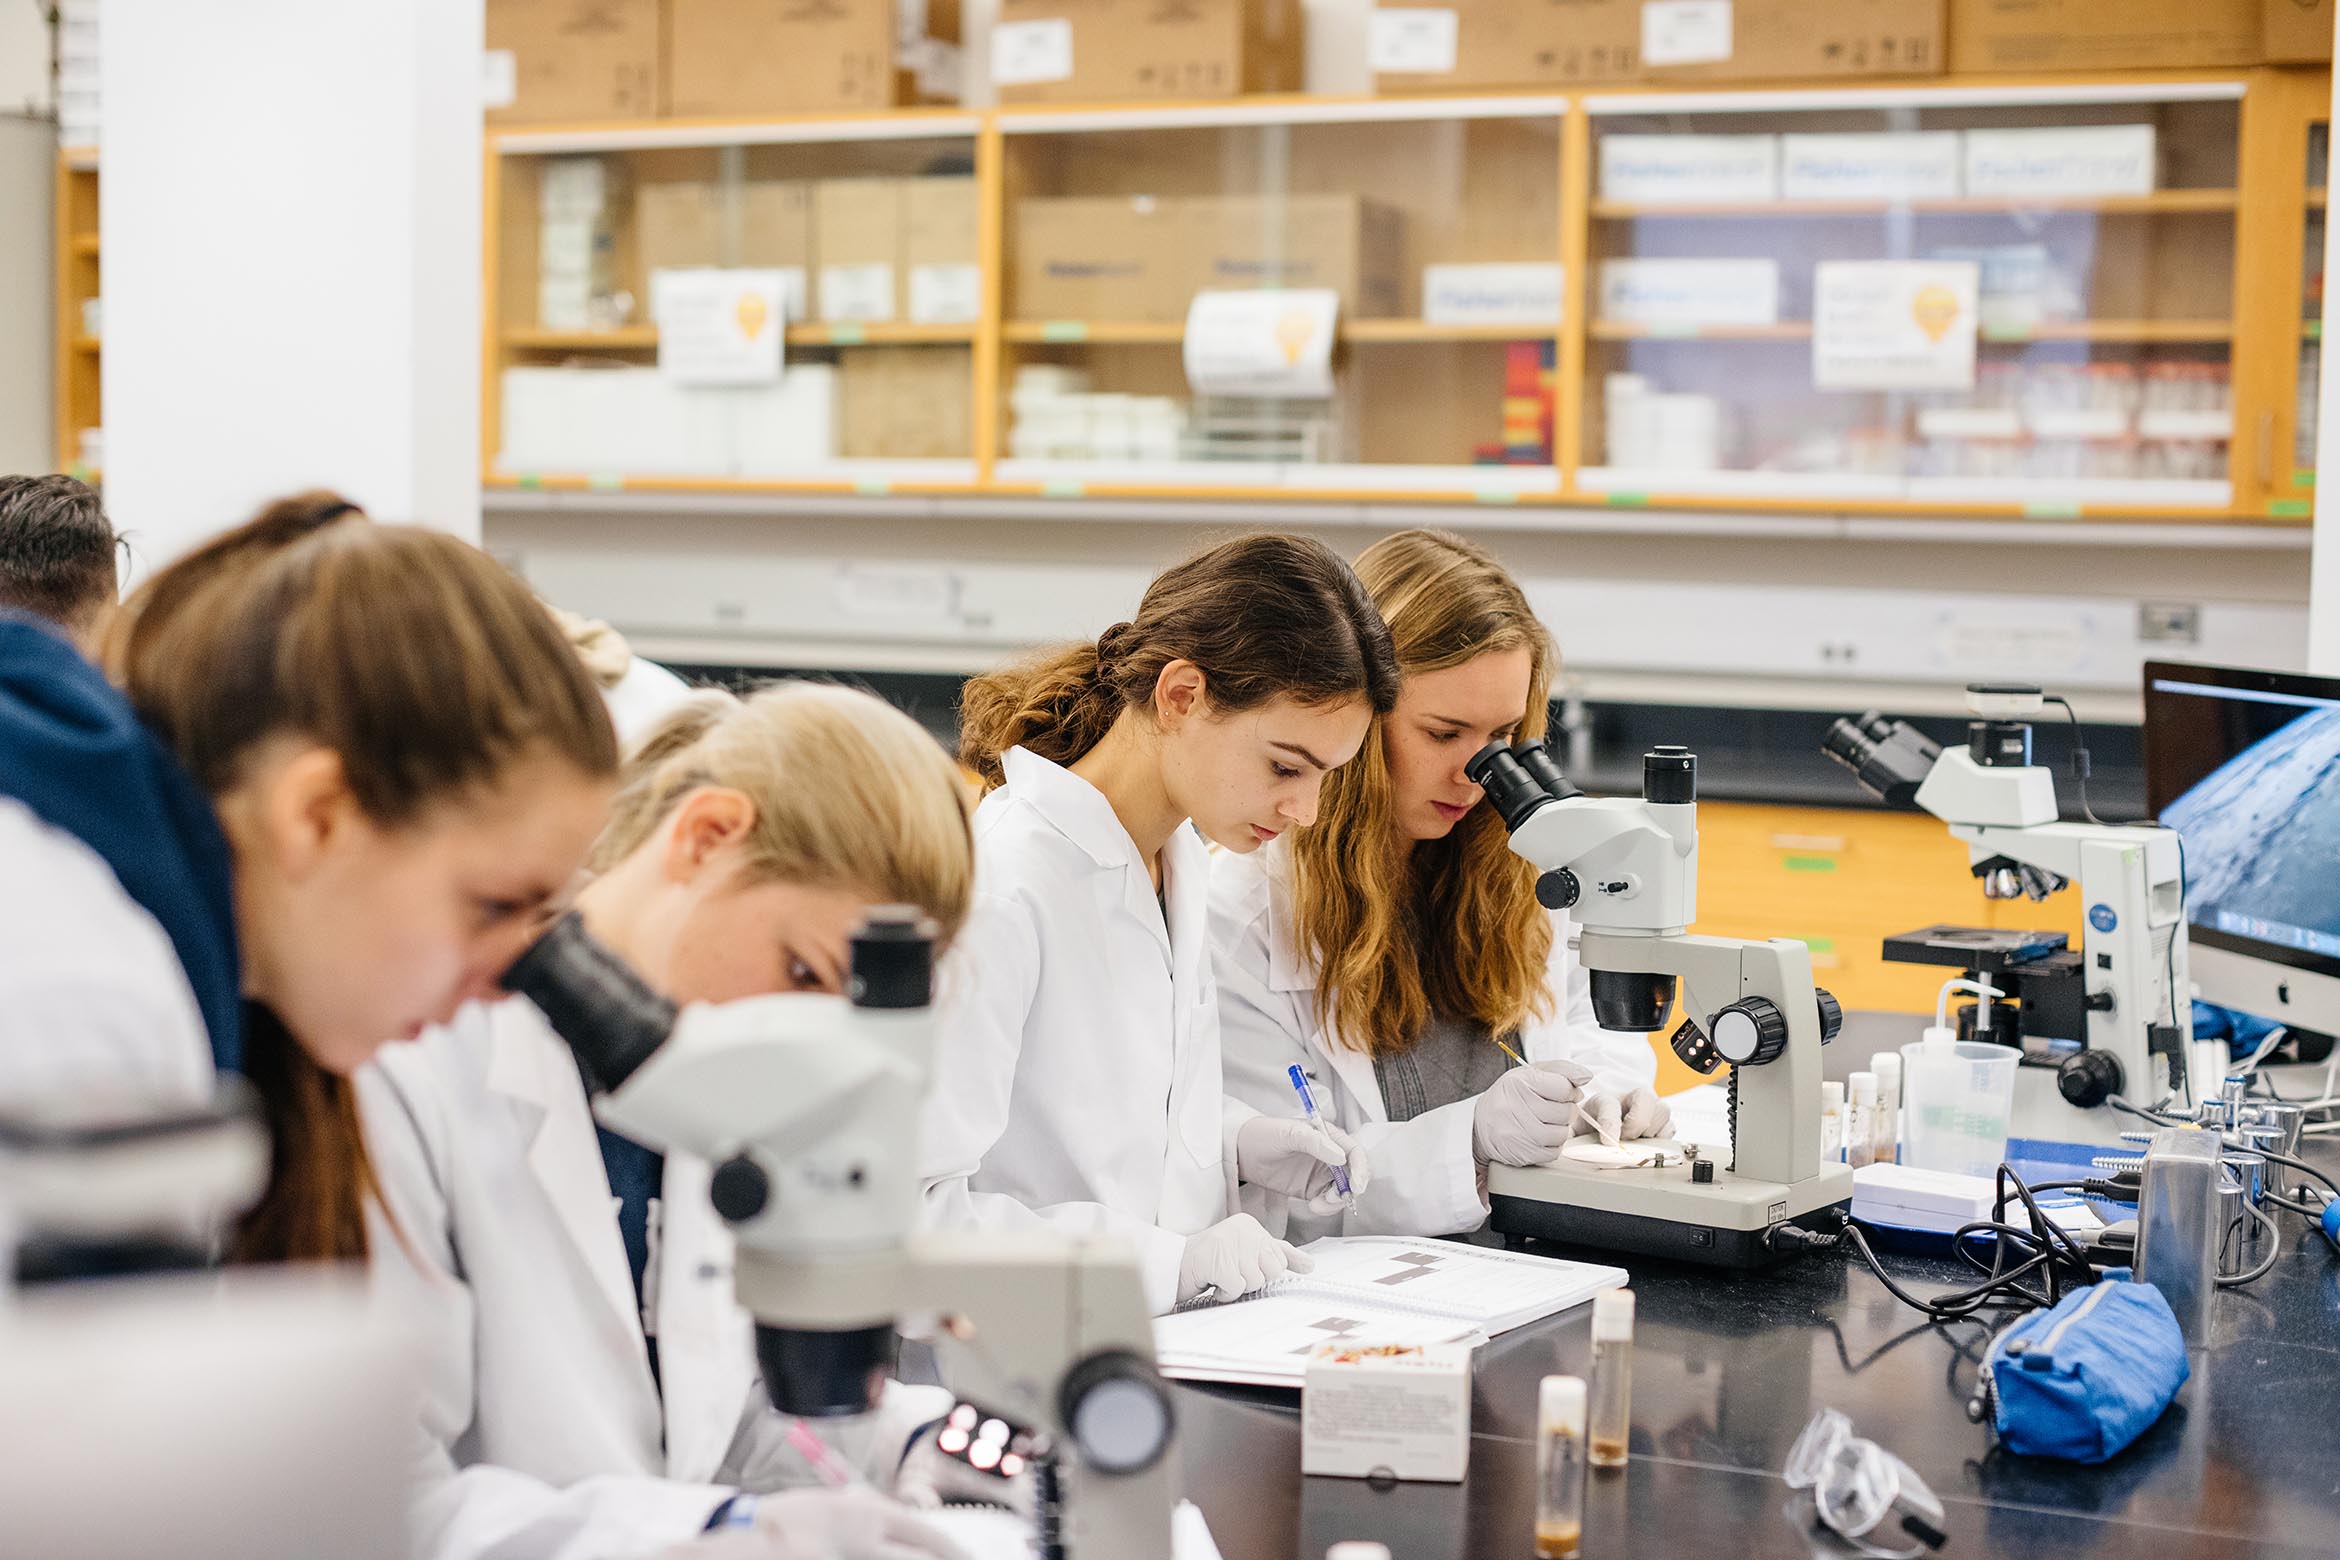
2245,765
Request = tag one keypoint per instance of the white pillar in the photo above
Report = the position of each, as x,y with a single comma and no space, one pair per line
2324,559
290,198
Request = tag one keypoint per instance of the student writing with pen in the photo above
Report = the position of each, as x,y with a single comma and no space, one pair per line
1393,963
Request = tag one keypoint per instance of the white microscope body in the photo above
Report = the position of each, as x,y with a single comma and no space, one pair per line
1628,870
2114,1018
808,1107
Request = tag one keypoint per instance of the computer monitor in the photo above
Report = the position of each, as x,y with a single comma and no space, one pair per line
2245,765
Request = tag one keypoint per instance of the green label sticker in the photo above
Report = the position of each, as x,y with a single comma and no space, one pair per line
2303,479
78,472
873,487
529,479
1062,489
605,482
1672,330
2292,509
2052,509
1808,863
1627,500
2315,330
1820,944
2006,333
1064,330
847,335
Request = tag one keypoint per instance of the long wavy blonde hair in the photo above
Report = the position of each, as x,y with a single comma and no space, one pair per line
1448,927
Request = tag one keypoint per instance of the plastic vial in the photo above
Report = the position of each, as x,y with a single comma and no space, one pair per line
1357,1549
1885,1141
1832,1123
1560,1468
1859,1121
1612,1379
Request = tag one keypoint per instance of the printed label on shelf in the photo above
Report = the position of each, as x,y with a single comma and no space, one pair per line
1969,422
1690,292
2028,645
499,79
903,592
1685,32
1496,293
1414,40
862,292
1029,54
794,291
719,326
2080,422
945,294
2079,161
1660,170
1894,324
1271,345
1916,166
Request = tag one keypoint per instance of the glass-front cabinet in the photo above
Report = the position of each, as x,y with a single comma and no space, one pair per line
792,304
1955,295
1295,296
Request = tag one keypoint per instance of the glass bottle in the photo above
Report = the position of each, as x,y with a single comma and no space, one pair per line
1560,1468
1859,1120
1611,1422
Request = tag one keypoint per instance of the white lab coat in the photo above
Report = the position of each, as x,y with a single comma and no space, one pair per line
1425,1178
1077,1078
93,1001
543,1428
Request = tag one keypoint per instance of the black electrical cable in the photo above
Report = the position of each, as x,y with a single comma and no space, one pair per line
2080,759
2044,1248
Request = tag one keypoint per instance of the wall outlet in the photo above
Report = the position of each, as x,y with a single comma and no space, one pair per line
2169,623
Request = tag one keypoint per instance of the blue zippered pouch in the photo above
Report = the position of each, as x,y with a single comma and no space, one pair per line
2084,1378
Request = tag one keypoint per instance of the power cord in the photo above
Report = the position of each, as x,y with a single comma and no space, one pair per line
2043,1247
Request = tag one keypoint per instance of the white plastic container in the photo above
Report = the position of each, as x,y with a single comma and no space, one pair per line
1885,1126
1958,1097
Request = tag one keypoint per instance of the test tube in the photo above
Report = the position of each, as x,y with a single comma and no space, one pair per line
1860,1116
1560,1468
1832,1123
1357,1549
1885,1139
1612,1378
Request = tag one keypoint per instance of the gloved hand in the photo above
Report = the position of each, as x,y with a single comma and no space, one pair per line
1636,1113
1528,1114
1289,1155
847,1524
1236,1256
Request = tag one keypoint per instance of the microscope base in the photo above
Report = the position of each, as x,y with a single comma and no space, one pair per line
1660,1213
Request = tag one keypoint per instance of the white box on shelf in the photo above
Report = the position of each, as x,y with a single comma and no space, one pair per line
788,427
1404,1414
2079,423
946,294
1969,422
1680,170
862,293
1690,292
2071,162
2174,423
1916,165
1494,293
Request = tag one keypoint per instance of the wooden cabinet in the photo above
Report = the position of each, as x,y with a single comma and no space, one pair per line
80,405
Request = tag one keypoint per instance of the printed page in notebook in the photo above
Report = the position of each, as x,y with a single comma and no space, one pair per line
1268,1338
1479,1283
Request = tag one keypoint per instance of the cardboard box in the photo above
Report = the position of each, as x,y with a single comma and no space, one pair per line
1504,43
2296,32
1773,40
573,60
941,282
907,403
739,57
1109,257
2014,35
1053,51
1403,1413
857,249
690,222
1353,246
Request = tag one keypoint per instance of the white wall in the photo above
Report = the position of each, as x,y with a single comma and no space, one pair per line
28,175
24,60
291,208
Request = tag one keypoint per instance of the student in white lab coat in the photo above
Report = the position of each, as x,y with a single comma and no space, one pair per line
590,1386
346,765
1388,950
1079,1084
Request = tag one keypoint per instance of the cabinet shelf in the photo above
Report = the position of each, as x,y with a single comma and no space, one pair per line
2160,203
1170,333
644,338
2119,332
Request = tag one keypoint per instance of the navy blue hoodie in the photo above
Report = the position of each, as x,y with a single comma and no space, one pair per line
77,756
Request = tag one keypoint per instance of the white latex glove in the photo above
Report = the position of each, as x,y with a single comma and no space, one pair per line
1637,1113
1296,1157
1529,1114
846,1524
1236,1256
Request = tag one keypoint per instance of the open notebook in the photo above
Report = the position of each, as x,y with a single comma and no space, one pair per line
1369,1290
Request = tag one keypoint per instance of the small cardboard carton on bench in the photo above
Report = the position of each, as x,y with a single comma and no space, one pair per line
1392,1411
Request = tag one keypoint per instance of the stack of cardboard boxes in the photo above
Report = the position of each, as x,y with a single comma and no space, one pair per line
1143,258
1096,51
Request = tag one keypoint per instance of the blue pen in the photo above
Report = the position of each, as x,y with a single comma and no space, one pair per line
1308,1104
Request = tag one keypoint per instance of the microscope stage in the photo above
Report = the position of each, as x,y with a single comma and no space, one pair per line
1659,1212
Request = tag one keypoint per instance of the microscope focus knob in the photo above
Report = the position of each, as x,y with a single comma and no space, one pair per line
1831,1014
2089,1078
1558,889
1749,1032
739,1189
1117,1411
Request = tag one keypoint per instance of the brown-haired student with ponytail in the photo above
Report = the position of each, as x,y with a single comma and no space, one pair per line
1080,1088
1396,952
346,766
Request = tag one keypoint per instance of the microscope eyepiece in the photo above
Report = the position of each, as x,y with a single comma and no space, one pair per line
893,959
1518,780
594,1001
1890,758
1669,776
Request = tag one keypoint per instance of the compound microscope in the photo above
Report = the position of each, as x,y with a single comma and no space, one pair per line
1628,869
2111,1018
807,1106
